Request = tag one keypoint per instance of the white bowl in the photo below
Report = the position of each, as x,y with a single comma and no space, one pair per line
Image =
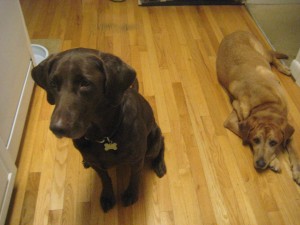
40,53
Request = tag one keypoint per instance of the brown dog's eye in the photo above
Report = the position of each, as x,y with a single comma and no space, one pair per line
85,86
272,143
85,83
256,140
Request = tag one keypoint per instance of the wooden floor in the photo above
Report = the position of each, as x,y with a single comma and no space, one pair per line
210,179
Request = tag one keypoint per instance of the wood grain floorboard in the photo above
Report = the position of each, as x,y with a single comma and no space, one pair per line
210,179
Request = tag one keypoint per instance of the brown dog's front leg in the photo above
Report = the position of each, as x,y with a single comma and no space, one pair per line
107,199
131,194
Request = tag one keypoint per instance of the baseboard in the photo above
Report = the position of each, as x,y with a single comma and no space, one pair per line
295,69
188,2
272,2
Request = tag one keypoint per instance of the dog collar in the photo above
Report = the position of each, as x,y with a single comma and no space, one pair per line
107,142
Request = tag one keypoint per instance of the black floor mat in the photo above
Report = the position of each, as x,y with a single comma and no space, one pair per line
188,2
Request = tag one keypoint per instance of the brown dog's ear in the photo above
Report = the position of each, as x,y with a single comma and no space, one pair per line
287,134
244,128
40,74
119,77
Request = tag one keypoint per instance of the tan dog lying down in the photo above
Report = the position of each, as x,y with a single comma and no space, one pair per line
259,113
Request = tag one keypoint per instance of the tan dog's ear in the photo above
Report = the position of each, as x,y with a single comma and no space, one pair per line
244,131
40,75
287,133
119,77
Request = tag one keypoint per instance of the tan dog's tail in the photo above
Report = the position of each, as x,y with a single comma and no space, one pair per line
276,56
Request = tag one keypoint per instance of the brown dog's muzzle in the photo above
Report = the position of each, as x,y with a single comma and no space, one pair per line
60,127
68,119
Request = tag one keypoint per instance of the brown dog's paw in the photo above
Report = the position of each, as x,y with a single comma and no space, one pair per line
159,168
107,202
129,197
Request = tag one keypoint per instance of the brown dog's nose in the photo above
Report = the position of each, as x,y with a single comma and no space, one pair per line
59,128
260,163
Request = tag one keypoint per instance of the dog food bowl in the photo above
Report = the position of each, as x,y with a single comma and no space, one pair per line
40,53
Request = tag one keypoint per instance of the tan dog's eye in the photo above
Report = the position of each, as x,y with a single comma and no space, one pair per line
272,143
256,140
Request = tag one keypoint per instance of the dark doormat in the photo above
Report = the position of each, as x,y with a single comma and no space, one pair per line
188,2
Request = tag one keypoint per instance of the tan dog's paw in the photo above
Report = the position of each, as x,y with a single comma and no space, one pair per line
296,173
275,165
285,70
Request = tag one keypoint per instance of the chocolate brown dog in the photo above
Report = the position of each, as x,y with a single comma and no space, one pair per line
260,114
109,122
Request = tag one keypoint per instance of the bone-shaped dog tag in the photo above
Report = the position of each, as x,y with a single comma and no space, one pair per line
110,146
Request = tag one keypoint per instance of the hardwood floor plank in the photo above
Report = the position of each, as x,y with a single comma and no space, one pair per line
71,185
59,175
30,198
55,217
44,192
246,214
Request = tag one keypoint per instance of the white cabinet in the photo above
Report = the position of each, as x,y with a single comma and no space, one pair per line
295,68
15,64
7,175
15,92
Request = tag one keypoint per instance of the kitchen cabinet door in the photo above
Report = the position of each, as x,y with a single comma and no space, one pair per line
16,87
7,176
15,81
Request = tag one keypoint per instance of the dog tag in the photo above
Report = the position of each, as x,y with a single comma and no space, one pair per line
109,145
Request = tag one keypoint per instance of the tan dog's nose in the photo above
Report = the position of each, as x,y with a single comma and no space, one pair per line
260,163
